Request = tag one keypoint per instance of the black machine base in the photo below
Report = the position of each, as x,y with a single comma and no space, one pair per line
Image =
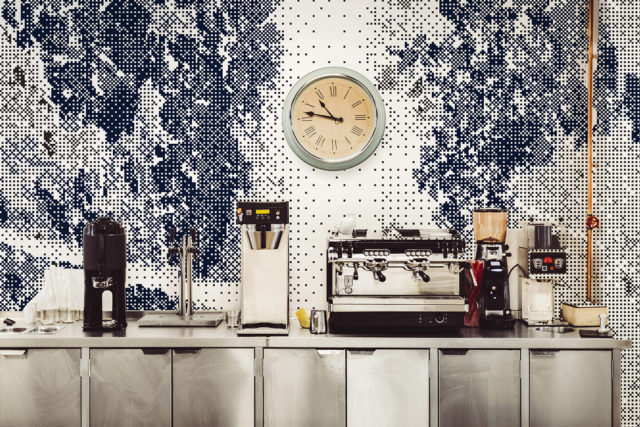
495,321
393,322
107,325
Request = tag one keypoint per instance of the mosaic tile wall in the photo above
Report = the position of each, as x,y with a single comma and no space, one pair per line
165,113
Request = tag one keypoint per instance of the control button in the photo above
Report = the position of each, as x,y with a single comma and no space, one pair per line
559,262
348,291
537,262
551,268
548,260
493,288
544,268
439,318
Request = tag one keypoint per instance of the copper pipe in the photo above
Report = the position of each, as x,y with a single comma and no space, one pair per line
591,33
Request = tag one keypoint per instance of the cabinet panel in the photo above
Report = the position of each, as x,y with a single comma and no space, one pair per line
570,388
213,387
129,387
479,388
304,387
387,388
40,387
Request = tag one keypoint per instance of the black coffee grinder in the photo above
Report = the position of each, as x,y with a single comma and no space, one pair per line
490,229
105,269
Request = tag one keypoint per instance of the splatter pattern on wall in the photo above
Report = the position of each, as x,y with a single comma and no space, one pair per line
164,113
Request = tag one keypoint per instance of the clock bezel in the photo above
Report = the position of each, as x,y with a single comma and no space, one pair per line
365,151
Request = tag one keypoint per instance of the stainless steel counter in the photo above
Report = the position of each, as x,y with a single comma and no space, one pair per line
221,336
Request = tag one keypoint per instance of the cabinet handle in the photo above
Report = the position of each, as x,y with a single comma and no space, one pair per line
322,353
454,351
363,351
545,353
14,353
187,350
155,350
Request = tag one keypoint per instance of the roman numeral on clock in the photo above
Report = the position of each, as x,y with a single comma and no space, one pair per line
320,141
334,145
361,117
356,131
319,93
355,104
306,119
310,131
333,90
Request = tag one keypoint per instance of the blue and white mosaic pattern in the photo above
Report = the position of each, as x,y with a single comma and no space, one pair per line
165,113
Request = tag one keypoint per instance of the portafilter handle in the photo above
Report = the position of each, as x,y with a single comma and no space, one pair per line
424,276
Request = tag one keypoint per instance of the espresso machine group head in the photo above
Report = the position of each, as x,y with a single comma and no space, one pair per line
490,231
105,269
265,267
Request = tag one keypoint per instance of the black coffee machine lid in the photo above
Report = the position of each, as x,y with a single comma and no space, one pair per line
104,225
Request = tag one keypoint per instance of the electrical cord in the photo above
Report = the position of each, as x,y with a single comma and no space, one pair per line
524,273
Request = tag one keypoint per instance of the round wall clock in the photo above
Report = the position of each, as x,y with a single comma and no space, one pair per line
333,118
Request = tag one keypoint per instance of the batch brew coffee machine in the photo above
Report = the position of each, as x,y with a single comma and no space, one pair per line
265,267
405,280
105,269
490,231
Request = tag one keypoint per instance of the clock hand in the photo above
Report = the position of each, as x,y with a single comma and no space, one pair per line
323,106
336,119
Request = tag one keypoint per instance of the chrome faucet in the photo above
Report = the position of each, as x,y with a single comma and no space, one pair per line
188,253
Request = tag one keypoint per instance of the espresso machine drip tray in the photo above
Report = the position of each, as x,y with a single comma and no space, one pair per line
173,319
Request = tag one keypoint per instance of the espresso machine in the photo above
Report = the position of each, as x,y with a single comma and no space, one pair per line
265,267
490,230
399,281
105,269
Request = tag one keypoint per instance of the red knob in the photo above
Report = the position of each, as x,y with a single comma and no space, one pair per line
592,222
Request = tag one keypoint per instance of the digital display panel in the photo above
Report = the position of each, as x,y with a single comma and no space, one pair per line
263,211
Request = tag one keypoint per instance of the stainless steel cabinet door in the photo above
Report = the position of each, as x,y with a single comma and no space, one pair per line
387,388
479,388
130,387
304,387
40,387
213,387
570,388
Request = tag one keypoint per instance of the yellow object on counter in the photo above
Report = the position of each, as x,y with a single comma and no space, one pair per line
303,318
585,314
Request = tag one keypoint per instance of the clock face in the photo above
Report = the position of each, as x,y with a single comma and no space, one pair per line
333,118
